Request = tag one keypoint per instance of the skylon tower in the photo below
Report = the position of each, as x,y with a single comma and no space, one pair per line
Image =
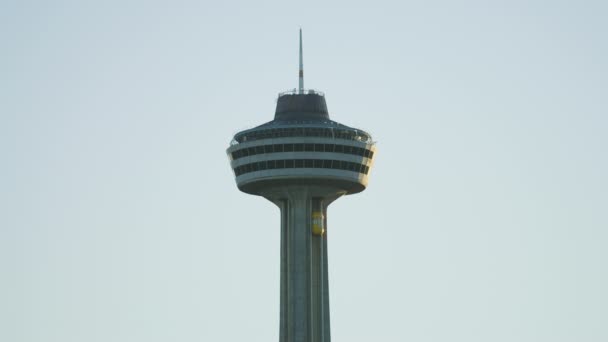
302,161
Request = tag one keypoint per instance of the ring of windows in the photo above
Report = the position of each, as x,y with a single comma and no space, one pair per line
277,148
301,163
303,132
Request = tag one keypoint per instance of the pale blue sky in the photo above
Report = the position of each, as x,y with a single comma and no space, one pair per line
486,214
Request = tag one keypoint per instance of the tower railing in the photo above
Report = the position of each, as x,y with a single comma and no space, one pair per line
317,132
295,91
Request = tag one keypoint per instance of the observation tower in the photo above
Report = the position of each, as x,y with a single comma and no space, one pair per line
302,161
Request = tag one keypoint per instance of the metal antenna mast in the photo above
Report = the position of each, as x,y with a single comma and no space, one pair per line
301,75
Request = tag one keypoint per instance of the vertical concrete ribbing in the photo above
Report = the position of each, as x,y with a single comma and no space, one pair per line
316,290
326,322
304,307
299,274
283,328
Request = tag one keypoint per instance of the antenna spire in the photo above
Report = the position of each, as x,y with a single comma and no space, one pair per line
301,75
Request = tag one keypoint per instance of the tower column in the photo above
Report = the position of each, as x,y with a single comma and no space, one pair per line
304,307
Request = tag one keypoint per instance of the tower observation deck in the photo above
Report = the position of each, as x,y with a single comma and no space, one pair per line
302,161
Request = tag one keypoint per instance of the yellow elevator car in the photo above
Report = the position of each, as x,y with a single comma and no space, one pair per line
317,223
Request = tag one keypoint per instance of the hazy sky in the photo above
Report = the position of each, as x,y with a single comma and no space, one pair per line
486,216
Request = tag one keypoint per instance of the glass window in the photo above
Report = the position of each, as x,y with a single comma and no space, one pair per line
308,163
309,147
278,148
329,148
318,163
280,164
299,163
339,149
289,164
327,164
271,164
298,147
268,149
288,147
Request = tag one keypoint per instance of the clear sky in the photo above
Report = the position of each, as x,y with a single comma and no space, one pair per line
485,218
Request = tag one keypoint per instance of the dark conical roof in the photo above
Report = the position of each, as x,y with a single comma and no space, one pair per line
310,106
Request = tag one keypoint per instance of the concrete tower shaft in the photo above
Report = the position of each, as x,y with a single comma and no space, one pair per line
304,308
